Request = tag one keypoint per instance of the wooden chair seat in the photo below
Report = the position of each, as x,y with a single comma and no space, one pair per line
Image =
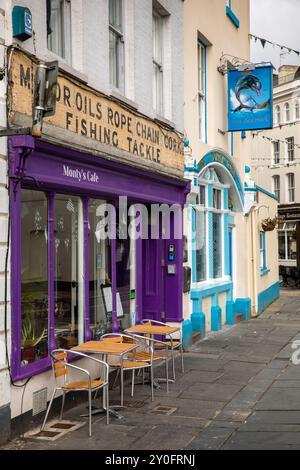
175,344
83,385
129,364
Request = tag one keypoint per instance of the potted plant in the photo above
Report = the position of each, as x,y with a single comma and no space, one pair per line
30,339
268,225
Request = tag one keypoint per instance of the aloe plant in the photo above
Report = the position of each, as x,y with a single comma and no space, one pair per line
29,337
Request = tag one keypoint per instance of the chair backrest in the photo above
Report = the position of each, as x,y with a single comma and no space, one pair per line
59,360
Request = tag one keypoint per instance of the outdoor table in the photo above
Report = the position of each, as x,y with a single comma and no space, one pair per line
154,330
106,349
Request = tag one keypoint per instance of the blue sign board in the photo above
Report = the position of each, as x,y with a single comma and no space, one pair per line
250,99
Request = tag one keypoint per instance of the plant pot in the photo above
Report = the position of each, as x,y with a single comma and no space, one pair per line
28,354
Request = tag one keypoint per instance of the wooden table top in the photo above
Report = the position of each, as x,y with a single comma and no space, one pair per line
104,347
152,329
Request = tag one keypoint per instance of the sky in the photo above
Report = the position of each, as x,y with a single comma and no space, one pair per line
277,21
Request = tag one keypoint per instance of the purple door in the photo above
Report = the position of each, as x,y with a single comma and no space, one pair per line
153,280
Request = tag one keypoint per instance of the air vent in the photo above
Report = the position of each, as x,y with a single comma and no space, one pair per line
39,401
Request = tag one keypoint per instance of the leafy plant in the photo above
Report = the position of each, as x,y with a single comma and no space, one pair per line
29,336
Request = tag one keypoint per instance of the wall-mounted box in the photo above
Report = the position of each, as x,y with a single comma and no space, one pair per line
22,23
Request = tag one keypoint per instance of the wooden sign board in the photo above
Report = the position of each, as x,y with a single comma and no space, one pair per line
93,115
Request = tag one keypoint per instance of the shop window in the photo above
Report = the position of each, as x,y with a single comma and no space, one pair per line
100,273
34,276
217,246
116,45
125,274
202,90
200,251
287,242
68,271
59,28
263,258
158,68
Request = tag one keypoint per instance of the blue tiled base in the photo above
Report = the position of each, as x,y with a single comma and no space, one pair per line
216,318
198,323
187,334
230,312
243,307
268,296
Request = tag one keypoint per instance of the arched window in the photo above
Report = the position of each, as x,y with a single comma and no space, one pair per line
287,114
297,110
277,115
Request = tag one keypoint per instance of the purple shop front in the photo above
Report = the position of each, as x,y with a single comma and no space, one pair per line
69,282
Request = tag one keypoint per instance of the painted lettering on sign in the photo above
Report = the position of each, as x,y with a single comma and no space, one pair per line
92,115
80,174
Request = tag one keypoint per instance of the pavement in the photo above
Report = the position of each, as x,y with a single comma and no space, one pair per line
240,390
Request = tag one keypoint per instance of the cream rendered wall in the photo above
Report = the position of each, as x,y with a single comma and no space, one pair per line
210,20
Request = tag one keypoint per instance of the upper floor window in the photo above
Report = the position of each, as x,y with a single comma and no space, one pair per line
297,110
116,45
158,69
202,90
277,115
276,152
291,187
276,186
290,149
287,114
263,254
59,28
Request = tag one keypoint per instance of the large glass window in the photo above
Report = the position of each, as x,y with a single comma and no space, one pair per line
116,45
217,246
158,71
68,271
200,246
287,241
59,27
34,276
101,310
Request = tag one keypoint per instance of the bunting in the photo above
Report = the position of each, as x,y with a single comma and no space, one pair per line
264,41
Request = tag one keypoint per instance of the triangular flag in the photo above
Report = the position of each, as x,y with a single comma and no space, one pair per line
263,42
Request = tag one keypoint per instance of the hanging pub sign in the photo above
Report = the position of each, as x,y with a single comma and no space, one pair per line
250,99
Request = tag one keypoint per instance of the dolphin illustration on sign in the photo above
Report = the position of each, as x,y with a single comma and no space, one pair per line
250,99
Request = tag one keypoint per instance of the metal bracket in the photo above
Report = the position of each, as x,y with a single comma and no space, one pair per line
18,131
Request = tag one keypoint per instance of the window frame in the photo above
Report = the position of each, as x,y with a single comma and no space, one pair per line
20,372
297,110
66,33
277,115
286,231
287,112
263,252
276,152
291,187
290,149
118,34
158,62
276,186
201,90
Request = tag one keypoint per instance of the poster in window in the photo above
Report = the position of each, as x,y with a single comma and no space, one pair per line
250,99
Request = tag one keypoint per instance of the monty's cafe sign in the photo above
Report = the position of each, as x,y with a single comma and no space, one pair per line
92,115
